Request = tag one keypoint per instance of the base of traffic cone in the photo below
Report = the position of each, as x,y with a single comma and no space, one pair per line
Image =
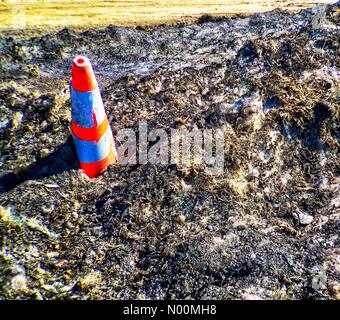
94,169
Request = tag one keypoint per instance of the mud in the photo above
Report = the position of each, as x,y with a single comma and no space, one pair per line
267,228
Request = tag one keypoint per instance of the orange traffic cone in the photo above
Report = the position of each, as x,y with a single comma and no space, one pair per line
91,131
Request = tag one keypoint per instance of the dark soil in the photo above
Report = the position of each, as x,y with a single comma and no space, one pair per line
267,228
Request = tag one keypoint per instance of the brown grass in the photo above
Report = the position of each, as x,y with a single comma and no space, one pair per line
56,14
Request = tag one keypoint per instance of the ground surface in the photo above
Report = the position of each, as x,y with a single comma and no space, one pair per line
267,228
83,14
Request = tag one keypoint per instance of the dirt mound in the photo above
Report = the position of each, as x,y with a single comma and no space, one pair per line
266,228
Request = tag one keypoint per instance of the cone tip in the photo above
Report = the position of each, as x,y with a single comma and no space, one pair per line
81,61
83,78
